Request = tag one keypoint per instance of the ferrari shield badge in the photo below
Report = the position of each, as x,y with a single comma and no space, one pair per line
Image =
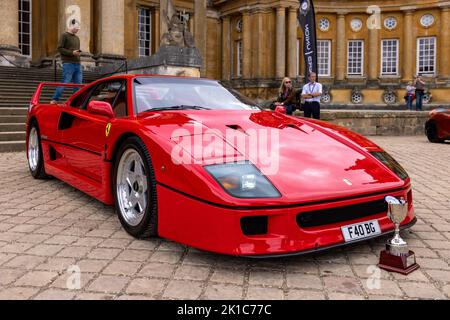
108,129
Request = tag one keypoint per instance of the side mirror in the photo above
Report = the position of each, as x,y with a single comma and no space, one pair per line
100,108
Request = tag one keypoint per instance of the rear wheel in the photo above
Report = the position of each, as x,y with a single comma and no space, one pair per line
134,187
432,133
34,151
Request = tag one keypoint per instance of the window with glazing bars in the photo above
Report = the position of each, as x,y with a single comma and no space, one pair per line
426,55
25,27
145,35
355,58
389,57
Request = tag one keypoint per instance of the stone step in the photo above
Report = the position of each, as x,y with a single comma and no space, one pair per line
29,81
32,76
13,119
13,111
48,74
13,136
12,127
7,105
12,146
14,94
37,71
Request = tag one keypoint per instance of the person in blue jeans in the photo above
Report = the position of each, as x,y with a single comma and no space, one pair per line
69,48
420,92
410,92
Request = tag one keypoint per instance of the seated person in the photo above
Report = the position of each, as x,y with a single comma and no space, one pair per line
287,96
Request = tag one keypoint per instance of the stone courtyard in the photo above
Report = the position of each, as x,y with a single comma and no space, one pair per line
51,234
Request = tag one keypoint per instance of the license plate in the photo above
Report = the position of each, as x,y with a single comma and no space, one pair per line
361,230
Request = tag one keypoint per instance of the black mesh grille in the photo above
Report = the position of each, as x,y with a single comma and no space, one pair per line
341,214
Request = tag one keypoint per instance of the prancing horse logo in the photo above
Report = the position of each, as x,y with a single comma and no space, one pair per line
108,129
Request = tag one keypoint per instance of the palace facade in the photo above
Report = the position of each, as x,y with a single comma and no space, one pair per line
368,50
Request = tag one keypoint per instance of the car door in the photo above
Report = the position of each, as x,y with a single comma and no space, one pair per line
446,124
86,135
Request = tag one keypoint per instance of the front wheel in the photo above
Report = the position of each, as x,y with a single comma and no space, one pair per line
432,133
134,188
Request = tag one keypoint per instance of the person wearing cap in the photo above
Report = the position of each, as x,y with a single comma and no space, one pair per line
312,92
69,49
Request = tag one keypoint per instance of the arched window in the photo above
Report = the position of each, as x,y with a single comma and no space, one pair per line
25,27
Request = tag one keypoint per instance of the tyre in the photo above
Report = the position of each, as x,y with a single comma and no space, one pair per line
134,189
34,152
431,132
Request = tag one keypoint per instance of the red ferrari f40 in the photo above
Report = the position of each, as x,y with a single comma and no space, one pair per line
196,162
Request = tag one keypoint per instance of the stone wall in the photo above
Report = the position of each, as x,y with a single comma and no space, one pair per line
379,123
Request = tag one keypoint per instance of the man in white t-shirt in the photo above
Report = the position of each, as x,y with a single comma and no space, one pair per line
312,92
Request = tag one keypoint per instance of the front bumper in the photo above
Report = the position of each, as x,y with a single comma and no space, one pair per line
218,229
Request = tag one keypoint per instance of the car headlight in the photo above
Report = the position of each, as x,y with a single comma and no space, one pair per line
391,163
242,180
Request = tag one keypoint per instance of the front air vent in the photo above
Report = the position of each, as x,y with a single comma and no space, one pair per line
255,226
236,127
341,214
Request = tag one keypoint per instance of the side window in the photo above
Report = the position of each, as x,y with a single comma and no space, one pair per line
120,106
113,92
78,102
106,92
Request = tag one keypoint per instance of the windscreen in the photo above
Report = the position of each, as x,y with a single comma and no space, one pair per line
159,93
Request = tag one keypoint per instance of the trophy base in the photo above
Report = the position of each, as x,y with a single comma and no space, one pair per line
404,264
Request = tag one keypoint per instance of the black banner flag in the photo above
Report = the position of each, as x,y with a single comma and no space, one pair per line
307,20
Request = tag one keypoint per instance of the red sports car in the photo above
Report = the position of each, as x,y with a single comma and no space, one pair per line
437,128
195,162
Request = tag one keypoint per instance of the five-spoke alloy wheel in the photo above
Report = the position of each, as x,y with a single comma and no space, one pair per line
134,188
34,153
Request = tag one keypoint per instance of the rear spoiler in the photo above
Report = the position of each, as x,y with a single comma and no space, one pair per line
37,94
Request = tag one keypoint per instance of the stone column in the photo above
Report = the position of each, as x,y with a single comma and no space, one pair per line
444,53
246,45
200,27
374,51
340,48
163,12
111,33
292,43
408,46
80,10
9,32
260,45
280,68
157,40
226,47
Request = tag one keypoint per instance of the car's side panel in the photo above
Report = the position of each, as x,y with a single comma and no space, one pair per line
84,143
443,124
47,117
100,191
81,141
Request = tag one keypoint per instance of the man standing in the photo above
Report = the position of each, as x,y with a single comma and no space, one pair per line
420,91
69,48
312,92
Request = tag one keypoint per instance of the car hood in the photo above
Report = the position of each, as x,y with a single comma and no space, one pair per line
303,160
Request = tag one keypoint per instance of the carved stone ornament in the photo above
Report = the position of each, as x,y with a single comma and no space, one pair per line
389,96
357,96
177,35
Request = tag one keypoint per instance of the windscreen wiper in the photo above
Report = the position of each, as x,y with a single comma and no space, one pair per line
180,107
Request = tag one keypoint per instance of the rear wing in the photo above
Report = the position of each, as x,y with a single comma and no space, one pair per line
37,94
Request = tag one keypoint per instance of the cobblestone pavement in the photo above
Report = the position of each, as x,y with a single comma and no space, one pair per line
49,230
